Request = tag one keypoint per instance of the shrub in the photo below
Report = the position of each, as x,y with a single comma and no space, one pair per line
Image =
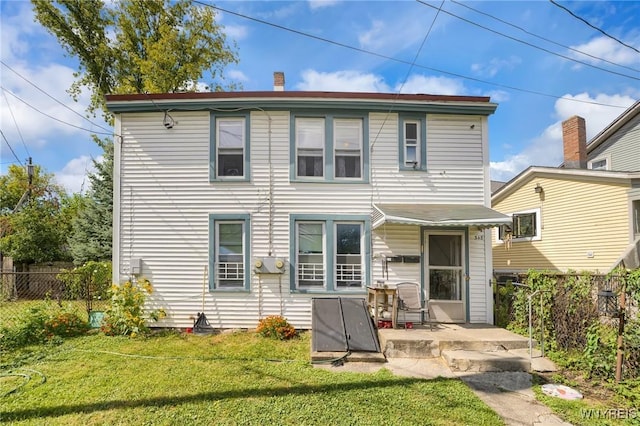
40,324
90,281
126,315
276,327
65,324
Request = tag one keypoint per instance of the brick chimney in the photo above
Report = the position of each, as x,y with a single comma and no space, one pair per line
574,141
278,81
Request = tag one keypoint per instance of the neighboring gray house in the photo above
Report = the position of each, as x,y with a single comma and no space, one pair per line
252,203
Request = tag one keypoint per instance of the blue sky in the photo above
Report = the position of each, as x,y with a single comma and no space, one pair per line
539,63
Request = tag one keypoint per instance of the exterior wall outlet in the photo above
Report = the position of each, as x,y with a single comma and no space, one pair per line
135,266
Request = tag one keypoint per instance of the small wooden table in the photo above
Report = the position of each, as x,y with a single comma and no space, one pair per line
379,296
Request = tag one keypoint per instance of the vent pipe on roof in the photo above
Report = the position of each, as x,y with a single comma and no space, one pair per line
278,81
574,141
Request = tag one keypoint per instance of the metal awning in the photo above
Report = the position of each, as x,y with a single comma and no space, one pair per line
438,215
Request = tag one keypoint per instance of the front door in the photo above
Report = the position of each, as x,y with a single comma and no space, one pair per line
445,275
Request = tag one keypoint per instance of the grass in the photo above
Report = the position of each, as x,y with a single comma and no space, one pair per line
226,379
11,312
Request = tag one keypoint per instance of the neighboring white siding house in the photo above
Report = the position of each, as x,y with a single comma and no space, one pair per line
253,203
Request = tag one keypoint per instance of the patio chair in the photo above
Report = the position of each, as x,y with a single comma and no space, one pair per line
409,300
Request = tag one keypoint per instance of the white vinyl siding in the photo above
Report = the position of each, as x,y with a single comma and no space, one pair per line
165,198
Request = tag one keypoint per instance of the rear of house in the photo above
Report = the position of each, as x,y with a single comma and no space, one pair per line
248,204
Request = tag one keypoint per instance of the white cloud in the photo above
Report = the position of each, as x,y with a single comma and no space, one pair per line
546,149
237,75
236,32
318,4
73,176
342,81
495,65
432,85
608,49
374,36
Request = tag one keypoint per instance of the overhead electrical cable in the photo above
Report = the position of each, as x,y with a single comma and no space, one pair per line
401,61
543,38
10,147
52,117
15,123
51,97
593,26
526,43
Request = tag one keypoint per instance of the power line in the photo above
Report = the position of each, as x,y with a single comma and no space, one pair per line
16,123
51,97
10,147
401,61
526,43
593,26
543,38
52,117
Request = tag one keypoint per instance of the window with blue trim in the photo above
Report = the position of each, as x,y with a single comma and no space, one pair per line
412,142
329,255
229,158
229,247
329,148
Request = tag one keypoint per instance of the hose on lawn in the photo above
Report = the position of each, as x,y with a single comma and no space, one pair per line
23,372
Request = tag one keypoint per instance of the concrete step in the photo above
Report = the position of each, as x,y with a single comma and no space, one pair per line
485,345
484,361
328,357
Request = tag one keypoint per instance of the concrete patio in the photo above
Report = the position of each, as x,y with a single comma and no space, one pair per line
462,347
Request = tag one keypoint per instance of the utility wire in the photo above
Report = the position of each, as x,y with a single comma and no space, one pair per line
52,117
593,26
51,97
16,123
526,43
10,147
401,61
543,38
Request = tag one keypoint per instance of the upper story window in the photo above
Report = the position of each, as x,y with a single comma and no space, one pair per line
526,226
347,144
229,157
412,147
329,253
598,164
310,141
329,148
229,238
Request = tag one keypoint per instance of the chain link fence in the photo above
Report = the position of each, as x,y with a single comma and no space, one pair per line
21,290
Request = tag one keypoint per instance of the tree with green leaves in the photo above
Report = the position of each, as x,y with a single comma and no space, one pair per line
34,219
138,46
91,237
131,47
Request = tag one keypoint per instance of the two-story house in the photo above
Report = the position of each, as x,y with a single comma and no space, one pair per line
581,216
247,204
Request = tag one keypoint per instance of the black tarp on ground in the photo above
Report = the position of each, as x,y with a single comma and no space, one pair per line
341,325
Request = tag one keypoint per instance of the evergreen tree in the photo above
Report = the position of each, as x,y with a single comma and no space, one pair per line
91,236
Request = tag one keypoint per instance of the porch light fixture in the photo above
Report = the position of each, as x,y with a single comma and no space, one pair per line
539,189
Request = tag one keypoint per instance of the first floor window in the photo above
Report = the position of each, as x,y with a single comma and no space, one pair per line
524,225
311,260
229,254
636,218
230,147
330,254
348,254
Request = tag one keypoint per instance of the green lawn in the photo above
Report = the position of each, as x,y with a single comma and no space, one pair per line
227,379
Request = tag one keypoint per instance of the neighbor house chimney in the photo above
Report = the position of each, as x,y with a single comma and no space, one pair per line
278,81
574,141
